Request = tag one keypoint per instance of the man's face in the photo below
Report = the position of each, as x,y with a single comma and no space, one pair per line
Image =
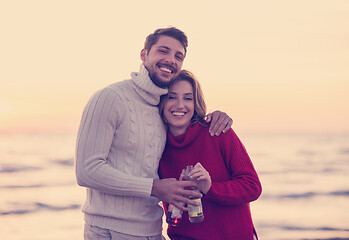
164,60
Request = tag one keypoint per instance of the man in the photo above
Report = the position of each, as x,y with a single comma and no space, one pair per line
119,144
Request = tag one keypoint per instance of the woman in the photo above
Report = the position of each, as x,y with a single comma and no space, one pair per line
224,171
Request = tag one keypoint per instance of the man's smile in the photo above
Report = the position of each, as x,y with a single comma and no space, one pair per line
166,68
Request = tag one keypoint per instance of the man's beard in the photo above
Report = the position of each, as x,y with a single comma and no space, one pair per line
158,82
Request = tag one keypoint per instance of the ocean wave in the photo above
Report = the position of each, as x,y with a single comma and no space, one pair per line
344,193
9,168
302,228
38,206
37,185
340,193
13,168
64,162
325,238
320,170
22,186
337,233
344,151
307,153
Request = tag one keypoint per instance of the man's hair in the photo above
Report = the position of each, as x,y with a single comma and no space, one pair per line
199,101
171,32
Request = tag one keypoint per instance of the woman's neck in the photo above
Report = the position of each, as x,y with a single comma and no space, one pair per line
176,131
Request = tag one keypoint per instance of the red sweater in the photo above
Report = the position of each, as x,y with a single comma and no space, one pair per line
235,183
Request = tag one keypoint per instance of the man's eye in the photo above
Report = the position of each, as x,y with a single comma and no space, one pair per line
179,58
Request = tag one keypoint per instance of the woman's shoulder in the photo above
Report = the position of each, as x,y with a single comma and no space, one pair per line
204,128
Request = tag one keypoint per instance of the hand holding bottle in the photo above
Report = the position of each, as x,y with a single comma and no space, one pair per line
175,192
174,214
202,176
195,212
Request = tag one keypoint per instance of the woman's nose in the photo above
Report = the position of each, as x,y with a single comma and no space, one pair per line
180,103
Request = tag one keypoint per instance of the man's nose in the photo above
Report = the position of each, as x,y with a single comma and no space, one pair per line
171,59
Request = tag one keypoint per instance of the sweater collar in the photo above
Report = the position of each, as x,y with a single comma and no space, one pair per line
181,141
146,88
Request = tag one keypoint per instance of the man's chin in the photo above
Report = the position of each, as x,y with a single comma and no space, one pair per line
161,83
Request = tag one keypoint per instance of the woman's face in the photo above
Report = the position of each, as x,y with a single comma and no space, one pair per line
179,107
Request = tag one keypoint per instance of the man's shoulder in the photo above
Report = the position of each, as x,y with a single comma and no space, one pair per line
119,86
116,89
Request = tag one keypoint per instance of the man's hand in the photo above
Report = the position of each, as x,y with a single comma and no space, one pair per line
171,191
220,122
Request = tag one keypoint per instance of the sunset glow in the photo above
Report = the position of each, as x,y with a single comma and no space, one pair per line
273,66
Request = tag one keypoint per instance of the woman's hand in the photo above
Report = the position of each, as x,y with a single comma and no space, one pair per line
202,176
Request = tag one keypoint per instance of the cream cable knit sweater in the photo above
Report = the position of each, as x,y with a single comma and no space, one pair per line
120,142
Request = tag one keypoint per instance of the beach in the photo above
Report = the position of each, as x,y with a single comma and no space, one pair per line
304,177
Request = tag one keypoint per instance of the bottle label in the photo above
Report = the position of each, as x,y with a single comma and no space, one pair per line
195,211
176,213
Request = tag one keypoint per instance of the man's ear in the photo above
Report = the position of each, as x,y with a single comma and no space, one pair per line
143,53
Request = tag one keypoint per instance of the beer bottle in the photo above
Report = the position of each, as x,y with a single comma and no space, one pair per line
195,213
174,214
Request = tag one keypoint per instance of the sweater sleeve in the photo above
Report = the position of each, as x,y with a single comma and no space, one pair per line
101,117
244,185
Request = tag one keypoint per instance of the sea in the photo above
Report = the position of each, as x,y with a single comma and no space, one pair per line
305,179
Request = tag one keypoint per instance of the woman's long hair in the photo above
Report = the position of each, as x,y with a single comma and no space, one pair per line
199,101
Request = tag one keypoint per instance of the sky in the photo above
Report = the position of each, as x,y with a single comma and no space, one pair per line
272,66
